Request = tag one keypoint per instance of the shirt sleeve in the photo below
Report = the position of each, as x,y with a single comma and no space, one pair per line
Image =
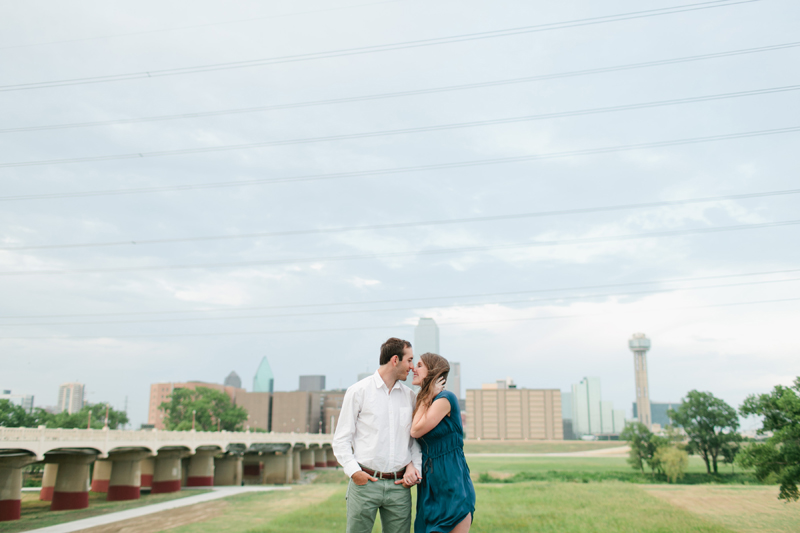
344,437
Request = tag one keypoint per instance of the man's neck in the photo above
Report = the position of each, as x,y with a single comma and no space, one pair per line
388,376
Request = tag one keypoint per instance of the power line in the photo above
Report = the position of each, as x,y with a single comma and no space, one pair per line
399,170
387,255
378,48
396,326
417,299
194,26
318,231
563,114
308,140
582,297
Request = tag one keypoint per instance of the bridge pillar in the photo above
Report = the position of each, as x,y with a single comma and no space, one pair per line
320,458
296,475
72,482
277,468
11,486
228,470
147,465
307,459
48,482
201,469
101,474
167,472
252,470
331,459
126,476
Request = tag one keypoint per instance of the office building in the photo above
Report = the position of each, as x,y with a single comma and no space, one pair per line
331,409
426,339
23,400
658,412
295,412
264,381
506,383
514,414
312,383
160,393
233,380
454,379
259,409
590,414
566,415
70,397
639,345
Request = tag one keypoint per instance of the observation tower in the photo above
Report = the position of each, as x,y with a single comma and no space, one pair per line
639,345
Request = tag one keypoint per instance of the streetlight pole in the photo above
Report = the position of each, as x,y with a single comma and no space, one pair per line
194,412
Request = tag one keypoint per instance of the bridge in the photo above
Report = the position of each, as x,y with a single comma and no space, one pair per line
121,463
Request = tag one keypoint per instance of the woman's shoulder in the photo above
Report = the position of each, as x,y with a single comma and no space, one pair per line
447,395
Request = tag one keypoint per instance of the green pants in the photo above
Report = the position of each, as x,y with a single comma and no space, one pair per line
394,502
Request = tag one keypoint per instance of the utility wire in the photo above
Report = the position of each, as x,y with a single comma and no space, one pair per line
387,255
396,326
378,48
441,127
397,170
581,297
194,26
563,114
320,231
418,299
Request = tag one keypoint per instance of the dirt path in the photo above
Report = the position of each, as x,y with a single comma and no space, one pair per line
165,519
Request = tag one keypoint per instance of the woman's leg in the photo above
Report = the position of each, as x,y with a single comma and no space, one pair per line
464,525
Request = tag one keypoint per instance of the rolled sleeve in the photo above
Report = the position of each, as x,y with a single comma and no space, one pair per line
344,437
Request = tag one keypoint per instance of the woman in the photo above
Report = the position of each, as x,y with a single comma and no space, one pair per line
445,497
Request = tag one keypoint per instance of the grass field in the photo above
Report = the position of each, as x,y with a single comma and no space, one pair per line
565,446
36,514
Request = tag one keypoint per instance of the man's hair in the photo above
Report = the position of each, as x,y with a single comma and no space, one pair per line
392,347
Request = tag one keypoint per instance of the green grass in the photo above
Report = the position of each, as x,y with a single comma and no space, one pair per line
567,446
36,514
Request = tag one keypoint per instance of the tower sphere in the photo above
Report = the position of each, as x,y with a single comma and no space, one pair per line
639,343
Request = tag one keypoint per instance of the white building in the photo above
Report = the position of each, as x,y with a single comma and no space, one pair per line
23,400
590,414
70,397
454,379
426,339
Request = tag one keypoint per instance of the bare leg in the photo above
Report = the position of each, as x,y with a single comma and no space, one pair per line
464,525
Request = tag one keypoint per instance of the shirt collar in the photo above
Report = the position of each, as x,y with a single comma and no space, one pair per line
378,380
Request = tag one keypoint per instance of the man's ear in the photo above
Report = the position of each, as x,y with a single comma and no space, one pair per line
394,360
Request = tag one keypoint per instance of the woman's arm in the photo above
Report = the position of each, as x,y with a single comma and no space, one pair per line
428,418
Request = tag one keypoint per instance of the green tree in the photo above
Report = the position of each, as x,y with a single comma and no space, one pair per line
211,409
673,461
14,416
780,454
638,437
710,424
80,420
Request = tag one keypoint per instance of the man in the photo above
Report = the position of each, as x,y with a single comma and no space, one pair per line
374,445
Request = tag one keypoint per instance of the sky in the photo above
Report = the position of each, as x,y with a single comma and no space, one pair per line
187,187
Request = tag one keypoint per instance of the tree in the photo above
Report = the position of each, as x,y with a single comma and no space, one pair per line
638,437
80,420
673,461
780,454
211,410
14,416
710,424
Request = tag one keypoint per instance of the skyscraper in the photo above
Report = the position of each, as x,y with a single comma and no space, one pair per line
639,345
70,397
586,407
426,339
264,381
311,383
454,379
233,380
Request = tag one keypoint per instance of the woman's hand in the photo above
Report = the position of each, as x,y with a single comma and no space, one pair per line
439,386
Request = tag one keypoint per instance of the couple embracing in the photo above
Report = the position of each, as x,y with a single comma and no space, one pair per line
389,439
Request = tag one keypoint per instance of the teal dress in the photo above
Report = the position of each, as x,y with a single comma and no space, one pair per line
446,495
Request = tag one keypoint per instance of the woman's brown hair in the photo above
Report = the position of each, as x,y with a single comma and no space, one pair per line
438,367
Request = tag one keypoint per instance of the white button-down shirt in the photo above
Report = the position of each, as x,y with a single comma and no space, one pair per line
375,427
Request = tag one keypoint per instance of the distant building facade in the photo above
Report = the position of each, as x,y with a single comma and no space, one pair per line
514,414
426,339
160,393
658,412
233,380
259,409
311,383
364,375
590,414
70,397
23,400
264,381
454,379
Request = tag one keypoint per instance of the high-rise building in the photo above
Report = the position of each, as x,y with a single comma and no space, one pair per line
454,379
233,380
590,414
658,412
426,339
639,345
264,381
23,400
259,409
312,383
514,414
70,397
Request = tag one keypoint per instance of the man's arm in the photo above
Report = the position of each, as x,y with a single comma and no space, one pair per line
345,433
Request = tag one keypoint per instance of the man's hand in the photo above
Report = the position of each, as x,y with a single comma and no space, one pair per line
410,478
361,478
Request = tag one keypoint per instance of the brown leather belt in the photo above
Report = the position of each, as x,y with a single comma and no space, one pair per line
384,475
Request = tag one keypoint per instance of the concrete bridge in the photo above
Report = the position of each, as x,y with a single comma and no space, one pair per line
121,463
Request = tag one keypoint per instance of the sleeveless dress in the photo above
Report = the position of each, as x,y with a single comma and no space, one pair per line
446,495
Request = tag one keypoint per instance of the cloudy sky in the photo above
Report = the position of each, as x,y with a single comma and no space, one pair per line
190,186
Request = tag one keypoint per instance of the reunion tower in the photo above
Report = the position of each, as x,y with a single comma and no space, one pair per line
639,344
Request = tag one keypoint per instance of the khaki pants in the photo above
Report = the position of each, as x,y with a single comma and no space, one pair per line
394,502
